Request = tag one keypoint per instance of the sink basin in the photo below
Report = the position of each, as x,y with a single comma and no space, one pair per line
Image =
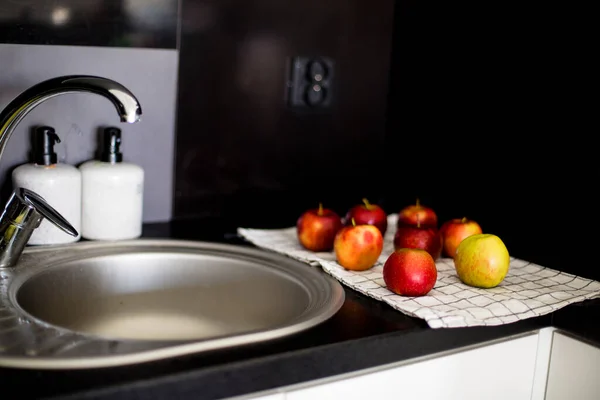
165,295
95,304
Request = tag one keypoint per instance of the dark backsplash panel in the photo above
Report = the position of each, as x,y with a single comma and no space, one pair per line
487,114
119,23
242,153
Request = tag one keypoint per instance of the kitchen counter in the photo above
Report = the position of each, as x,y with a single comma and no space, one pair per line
364,333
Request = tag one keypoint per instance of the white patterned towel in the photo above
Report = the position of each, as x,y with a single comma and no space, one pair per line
528,290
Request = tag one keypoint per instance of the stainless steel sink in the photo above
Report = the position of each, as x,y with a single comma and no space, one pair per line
97,304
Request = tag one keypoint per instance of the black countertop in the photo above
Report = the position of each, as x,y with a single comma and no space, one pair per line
364,333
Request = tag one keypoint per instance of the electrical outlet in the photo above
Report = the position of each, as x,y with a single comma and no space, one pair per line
310,82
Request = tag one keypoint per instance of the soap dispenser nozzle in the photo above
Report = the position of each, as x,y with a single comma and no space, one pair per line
111,146
44,138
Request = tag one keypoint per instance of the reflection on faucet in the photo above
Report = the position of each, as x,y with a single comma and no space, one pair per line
127,107
23,213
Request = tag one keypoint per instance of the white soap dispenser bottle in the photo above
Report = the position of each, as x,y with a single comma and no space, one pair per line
59,184
112,193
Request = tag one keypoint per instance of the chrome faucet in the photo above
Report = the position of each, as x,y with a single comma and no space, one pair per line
16,223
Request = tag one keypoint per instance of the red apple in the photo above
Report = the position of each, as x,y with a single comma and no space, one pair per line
419,237
316,228
357,247
369,214
410,272
417,212
454,231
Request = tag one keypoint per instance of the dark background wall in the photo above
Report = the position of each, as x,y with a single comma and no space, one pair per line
490,117
102,23
243,153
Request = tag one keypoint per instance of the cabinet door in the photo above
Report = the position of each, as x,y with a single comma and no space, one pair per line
503,370
574,371
270,396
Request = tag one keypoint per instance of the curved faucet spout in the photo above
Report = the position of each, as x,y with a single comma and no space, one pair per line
125,102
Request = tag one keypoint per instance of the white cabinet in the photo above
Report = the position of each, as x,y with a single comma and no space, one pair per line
503,370
269,396
574,371
544,365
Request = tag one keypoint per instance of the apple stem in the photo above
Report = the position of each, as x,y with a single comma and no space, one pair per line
367,204
353,222
320,211
418,202
464,219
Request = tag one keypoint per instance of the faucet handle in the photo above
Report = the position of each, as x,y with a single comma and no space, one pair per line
22,214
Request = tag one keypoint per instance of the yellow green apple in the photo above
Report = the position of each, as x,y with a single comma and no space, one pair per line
482,260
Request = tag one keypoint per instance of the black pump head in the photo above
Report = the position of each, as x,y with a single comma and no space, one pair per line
111,146
44,138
